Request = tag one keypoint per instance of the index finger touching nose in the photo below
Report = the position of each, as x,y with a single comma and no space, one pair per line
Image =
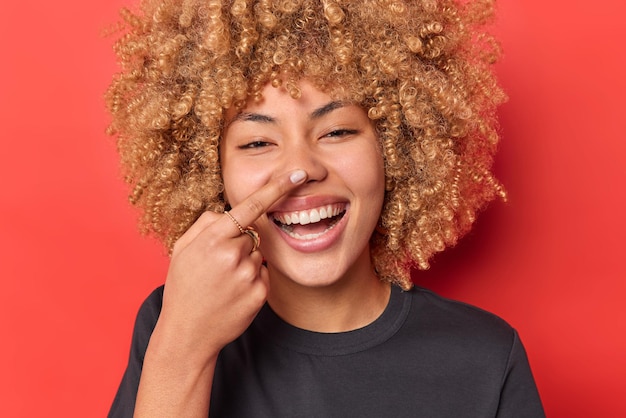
255,205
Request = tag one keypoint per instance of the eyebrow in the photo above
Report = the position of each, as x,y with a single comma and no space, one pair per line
261,118
253,117
326,109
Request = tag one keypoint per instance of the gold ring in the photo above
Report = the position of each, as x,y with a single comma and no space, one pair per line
232,218
256,239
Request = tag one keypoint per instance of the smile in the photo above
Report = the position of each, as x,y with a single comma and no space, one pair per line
311,223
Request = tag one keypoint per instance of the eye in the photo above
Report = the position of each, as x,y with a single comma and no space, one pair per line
254,144
337,133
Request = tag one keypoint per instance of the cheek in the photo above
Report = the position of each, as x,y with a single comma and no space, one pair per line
368,170
241,180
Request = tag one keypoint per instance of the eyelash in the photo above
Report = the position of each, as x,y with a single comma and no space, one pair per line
254,144
335,133
341,132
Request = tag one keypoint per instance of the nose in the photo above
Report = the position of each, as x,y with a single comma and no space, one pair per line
306,156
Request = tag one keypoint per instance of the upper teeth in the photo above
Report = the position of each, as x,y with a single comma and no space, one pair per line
309,216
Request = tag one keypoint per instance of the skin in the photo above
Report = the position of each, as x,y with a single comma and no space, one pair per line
278,156
336,144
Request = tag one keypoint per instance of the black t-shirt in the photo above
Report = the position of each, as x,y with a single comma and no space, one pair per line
425,356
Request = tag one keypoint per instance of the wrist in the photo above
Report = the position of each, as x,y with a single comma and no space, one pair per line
172,346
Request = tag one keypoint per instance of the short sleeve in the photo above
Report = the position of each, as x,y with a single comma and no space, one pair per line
519,397
124,402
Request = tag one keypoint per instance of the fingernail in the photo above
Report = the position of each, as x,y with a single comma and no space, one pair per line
297,176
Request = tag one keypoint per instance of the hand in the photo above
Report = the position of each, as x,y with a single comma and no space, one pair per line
215,285
214,288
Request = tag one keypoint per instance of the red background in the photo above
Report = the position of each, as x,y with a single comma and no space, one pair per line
74,269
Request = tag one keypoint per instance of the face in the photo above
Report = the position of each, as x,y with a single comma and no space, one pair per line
319,234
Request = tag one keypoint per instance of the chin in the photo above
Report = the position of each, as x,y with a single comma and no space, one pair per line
308,274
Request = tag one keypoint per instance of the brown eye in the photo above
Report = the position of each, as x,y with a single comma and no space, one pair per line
254,144
341,132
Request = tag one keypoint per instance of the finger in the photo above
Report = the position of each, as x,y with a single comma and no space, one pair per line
257,258
246,245
255,205
249,267
264,277
205,219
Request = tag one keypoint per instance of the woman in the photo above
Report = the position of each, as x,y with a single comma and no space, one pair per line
299,158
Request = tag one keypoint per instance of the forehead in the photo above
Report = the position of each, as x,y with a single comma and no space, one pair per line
303,96
303,93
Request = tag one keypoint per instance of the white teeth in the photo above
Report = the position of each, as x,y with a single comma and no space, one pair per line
315,216
310,216
307,236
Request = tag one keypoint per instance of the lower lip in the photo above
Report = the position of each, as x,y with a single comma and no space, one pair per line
319,243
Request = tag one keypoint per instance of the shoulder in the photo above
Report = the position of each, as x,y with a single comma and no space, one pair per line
147,317
124,402
458,324
453,310
474,352
151,306
150,309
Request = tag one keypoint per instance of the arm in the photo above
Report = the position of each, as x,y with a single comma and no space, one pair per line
176,380
214,288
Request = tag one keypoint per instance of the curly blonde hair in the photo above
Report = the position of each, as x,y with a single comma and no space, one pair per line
421,69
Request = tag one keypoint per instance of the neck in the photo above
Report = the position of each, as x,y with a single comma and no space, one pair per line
347,304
